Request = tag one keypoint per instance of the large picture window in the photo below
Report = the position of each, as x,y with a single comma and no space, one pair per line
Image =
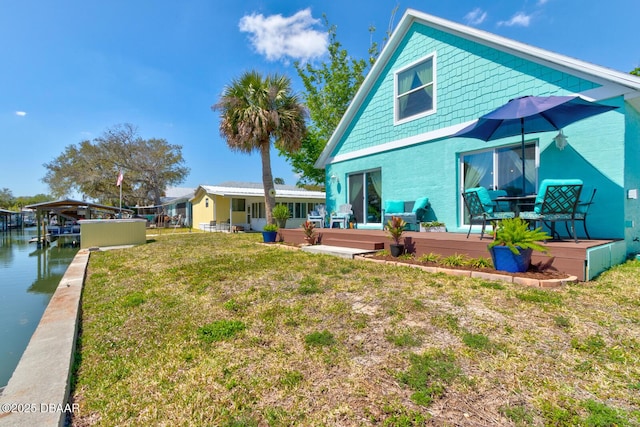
365,196
415,90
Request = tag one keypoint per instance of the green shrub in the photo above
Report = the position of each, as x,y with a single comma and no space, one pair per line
430,257
270,227
455,260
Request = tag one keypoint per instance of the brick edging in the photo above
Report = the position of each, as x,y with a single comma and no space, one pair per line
547,283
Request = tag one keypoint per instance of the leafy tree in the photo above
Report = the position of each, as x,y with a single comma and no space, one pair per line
256,110
6,198
329,88
636,72
92,167
279,181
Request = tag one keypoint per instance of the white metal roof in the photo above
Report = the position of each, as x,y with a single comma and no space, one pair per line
252,189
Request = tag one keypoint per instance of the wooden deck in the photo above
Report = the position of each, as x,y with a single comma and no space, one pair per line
569,257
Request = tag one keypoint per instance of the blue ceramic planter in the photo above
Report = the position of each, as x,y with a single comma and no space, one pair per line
505,260
269,236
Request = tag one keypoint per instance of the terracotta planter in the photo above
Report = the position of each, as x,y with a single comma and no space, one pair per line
505,260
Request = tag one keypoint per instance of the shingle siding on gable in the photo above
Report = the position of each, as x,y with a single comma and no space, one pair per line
471,79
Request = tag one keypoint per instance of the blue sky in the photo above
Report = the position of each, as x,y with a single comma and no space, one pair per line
72,69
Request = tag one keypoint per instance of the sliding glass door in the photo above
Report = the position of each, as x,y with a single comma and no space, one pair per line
501,169
365,196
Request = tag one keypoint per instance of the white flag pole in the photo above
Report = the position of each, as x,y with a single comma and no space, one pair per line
119,183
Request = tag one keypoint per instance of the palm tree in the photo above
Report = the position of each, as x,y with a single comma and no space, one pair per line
256,110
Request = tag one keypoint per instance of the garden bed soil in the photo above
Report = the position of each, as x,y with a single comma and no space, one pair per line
536,271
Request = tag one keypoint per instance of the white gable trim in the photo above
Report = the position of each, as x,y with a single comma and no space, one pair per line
401,143
615,83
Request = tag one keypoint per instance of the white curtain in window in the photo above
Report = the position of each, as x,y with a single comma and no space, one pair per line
404,86
425,73
476,169
376,180
355,187
515,162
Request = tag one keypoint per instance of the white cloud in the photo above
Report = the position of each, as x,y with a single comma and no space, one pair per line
542,2
475,17
21,113
279,38
520,19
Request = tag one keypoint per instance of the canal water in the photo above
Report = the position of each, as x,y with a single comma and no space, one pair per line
28,278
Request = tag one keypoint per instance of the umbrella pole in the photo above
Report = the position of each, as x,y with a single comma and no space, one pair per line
524,181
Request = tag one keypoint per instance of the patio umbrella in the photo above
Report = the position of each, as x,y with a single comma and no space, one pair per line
531,114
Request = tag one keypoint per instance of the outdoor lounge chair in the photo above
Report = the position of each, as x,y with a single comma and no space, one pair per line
557,201
341,218
481,208
317,216
413,213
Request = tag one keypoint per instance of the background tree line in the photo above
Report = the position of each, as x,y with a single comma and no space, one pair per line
9,202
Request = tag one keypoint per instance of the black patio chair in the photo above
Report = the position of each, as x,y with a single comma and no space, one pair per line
481,208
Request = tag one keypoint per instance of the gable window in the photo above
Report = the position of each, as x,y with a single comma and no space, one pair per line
415,90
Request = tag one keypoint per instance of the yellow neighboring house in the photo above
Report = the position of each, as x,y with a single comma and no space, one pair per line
220,207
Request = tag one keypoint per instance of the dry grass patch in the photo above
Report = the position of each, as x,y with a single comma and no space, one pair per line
214,329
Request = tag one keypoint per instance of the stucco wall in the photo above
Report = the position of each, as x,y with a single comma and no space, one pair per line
632,180
112,232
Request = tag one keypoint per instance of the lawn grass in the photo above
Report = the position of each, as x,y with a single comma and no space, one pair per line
214,329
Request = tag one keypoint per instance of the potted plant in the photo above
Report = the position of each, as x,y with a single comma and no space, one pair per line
433,226
309,232
514,243
269,233
281,214
395,227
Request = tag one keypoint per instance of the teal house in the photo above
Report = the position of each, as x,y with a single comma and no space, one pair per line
435,77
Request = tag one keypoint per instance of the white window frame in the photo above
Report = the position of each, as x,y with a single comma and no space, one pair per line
396,95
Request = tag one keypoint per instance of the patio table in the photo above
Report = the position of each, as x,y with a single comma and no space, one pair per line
519,203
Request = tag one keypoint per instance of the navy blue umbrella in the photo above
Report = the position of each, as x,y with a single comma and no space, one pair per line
531,114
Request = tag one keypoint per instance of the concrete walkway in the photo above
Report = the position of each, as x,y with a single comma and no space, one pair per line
336,251
37,392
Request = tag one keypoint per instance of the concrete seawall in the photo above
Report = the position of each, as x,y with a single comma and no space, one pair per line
37,392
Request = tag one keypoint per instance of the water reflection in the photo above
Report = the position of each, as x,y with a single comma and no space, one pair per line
28,278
